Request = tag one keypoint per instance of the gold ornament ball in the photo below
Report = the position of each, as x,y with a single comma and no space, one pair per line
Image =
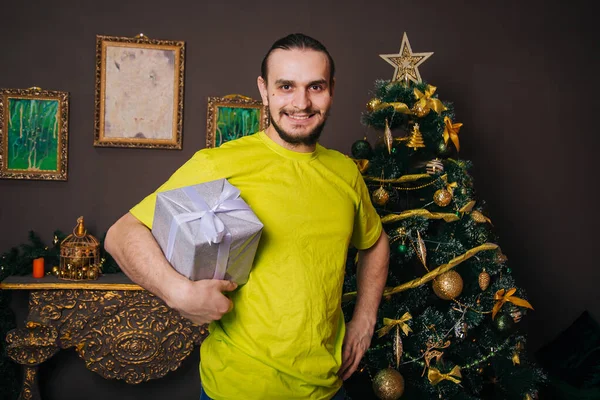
388,384
92,273
448,285
442,197
373,103
484,280
381,196
420,111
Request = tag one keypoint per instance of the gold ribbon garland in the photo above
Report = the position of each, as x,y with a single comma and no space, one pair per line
448,217
502,296
362,164
397,106
432,274
435,376
389,323
426,102
476,215
467,207
402,179
451,132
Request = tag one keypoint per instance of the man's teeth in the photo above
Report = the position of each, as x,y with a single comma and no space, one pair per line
299,116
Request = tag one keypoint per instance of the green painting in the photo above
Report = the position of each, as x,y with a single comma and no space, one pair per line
235,122
33,135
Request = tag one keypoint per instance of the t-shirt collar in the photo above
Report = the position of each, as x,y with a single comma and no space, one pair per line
282,151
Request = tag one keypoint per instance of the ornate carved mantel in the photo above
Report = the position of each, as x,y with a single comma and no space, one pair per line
120,330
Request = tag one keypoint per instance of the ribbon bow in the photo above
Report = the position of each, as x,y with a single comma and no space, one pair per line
451,132
389,323
426,102
502,296
449,186
211,226
435,376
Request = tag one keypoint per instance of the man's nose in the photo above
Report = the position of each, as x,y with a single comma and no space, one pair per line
301,100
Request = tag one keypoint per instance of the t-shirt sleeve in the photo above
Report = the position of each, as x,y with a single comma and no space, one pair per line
367,223
196,170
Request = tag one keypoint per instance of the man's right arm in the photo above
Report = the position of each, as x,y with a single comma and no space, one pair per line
138,254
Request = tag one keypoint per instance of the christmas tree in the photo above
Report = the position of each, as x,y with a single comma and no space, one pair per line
448,321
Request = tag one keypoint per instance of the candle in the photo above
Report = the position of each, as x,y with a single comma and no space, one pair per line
38,267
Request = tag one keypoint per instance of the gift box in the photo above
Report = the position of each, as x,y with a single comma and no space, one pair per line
207,231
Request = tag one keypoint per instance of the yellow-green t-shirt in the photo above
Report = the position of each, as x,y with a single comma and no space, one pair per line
283,339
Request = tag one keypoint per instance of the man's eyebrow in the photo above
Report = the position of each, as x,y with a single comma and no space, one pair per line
284,82
318,82
292,83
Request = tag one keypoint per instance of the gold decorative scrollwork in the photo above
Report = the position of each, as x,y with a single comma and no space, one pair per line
129,335
32,345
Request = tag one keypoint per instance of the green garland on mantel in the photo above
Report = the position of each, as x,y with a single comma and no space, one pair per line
19,261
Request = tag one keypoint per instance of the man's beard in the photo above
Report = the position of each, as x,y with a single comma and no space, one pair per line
309,140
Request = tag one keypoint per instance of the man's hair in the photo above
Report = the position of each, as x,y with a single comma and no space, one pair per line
302,42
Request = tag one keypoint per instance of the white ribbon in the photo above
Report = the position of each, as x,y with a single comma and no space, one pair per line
211,226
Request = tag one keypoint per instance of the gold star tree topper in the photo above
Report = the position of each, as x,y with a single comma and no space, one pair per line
406,62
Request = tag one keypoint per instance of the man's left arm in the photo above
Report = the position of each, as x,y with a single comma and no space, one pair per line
371,277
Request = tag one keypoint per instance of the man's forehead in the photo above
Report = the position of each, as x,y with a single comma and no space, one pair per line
282,60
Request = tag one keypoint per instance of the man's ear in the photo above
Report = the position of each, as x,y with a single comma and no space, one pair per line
262,88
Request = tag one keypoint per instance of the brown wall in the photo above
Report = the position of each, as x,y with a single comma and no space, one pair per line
522,77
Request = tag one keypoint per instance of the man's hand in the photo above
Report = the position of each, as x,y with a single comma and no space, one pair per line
356,342
202,301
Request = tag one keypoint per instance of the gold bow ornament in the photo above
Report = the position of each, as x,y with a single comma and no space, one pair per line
435,376
451,132
449,186
502,296
389,323
425,102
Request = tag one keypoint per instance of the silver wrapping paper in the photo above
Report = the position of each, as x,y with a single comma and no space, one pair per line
192,256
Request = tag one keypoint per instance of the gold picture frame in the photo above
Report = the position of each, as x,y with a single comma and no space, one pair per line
34,134
139,92
233,116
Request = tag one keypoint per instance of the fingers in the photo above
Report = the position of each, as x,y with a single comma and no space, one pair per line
352,353
350,370
348,356
225,286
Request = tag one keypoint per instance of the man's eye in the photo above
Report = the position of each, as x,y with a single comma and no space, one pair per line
286,87
316,87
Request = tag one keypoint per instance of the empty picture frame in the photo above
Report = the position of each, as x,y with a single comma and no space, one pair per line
233,116
34,126
139,92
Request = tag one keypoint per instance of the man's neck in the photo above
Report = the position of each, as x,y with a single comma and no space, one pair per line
297,147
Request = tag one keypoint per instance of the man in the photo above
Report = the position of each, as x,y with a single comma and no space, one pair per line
285,338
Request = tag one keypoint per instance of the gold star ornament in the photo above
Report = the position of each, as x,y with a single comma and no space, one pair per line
406,62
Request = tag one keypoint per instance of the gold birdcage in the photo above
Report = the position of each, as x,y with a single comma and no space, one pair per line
79,255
